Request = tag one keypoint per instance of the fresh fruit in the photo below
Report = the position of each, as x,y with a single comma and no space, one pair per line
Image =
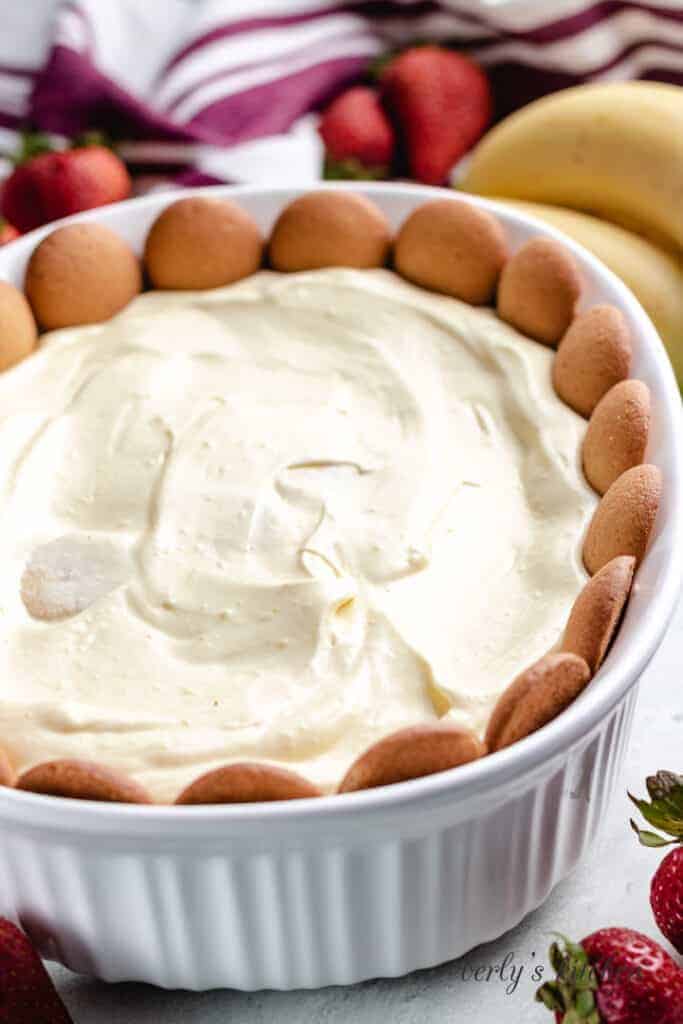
359,137
665,812
614,976
654,274
54,185
613,149
27,995
7,232
666,898
441,103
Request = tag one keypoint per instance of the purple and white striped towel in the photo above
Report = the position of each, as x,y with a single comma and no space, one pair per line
223,90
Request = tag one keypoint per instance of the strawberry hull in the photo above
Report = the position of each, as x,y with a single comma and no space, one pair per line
613,976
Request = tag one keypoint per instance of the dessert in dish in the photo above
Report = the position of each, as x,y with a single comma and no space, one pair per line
317,527
272,525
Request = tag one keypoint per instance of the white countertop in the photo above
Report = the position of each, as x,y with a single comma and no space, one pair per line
610,888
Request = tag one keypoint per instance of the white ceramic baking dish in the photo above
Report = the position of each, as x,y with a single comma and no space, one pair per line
338,889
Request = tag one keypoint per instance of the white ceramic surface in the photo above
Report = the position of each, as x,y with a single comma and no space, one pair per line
310,893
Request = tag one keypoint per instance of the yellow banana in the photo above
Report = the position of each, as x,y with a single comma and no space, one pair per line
615,150
654,275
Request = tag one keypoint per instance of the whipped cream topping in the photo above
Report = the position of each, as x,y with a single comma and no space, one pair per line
284,519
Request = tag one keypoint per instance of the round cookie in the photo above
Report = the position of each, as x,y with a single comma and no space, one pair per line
81,274
82,780
411,753
451,246
68,574
6,772
617,434
247,783
597,611
538,290
623,521
201,242
535,697
329,229
18,331
594,355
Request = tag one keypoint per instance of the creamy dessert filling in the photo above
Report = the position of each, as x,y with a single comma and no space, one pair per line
277,521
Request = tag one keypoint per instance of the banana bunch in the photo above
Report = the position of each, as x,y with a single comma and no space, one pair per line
609,160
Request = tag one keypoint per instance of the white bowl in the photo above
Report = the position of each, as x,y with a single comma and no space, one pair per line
377,883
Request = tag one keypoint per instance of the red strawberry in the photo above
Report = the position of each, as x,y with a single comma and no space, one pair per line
615,976
358,135
7,232
443,104
27,995
665,812
54,185
666,897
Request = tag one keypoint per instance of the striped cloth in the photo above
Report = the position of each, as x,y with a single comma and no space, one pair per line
226,90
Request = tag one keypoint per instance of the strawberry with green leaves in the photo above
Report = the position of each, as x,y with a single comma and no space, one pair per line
431,106
664,811
358,135
614,976
48,185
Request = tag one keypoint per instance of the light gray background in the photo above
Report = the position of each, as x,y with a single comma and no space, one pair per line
610,888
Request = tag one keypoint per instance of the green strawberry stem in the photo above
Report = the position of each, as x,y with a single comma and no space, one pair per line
572,992
351,169
92,137
651,839
664,810
37,143
32,144
379,64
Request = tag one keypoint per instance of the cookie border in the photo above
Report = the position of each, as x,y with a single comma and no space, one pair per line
617,434
597,611
247,782
123,788
535,697
595,353
7,773
624,519
411,753
79,779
